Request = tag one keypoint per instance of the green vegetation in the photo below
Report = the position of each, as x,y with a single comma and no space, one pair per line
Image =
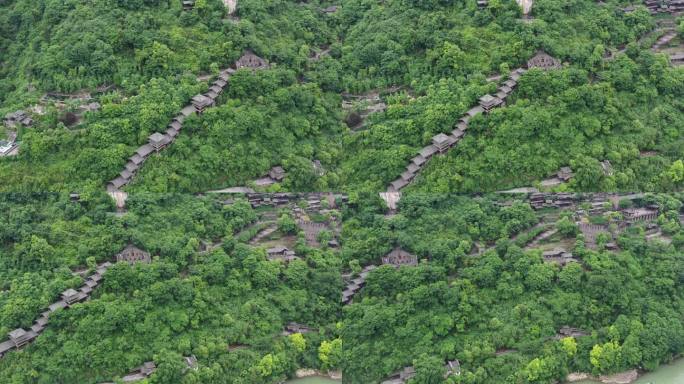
498,312
184,303
436,53
348,99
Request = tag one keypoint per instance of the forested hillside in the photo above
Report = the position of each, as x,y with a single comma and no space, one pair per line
486,292
166,170
226,306
427,62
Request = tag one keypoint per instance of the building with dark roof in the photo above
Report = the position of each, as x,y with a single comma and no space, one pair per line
489,102
201,102
443,142
277,173
18,118
158,141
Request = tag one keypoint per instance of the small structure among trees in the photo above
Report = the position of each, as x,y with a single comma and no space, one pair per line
292,328
277,173
188,5
281,253
566,331
559,256
562,176
402,376
453,367
489,102
19,117
543,61
20,337
443,142
251,61
72,296
8,148
633,215
398,257
159,141
201,102
132,254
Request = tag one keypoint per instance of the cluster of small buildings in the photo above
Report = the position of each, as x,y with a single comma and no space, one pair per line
285,198
442,142
158,141
630,216
559,256
281,253
20,337
17,118
552,200
453,367
355,285
664,6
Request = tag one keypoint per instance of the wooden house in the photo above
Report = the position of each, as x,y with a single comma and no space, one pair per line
489,102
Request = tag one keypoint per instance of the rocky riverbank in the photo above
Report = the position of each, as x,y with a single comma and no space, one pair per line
626,377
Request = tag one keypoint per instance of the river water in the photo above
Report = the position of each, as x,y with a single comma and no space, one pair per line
665,374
